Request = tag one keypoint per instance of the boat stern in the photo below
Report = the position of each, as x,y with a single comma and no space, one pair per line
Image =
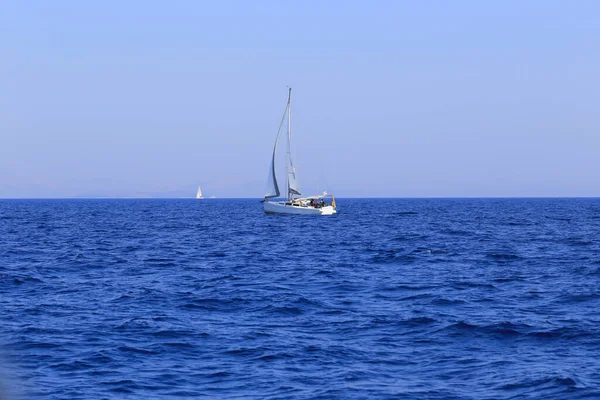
328,210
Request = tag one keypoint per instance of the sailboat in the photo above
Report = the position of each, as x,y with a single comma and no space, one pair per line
294,204
200,196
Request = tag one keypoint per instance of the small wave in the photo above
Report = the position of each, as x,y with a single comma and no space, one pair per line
461,325
588,269
163,262
551,381
323,272
285,310
216,304
313,348
121,386
562,333
457,232
441,301
403,323
30,345
99,358
565,219
175,333
578,242
417,297
123,297
498,330
506,329
130,349
409,288
580,297
275,356
218,374
508,279
503,256
72,366
38,330
25,251
393,256
23,279
419,321
594,271
183,345
304,302
216,254
409,237
135,323
243,351
224,278
469,284
403,213
512,223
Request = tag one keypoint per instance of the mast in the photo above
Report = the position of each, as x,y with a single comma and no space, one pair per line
292,182
289,148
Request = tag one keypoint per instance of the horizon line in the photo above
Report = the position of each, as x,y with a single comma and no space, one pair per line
260,198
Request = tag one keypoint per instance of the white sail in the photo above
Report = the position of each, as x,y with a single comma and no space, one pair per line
293,188
199,193
272,185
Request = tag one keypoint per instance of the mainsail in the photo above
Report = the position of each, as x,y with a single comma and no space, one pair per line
272,186
199,193
292,182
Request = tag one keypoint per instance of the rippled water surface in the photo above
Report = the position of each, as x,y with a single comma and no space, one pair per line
423,299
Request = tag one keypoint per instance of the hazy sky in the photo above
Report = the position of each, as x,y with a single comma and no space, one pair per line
391,98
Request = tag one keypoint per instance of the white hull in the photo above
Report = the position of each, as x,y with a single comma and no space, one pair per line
282,207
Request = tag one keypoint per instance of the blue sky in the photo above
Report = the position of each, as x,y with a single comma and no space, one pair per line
391,98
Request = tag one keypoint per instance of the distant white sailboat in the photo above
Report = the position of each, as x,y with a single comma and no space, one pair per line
311,205
199,195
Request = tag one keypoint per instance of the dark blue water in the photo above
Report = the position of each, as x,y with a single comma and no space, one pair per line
423,299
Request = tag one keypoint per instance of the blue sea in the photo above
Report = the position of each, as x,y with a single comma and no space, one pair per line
390,298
